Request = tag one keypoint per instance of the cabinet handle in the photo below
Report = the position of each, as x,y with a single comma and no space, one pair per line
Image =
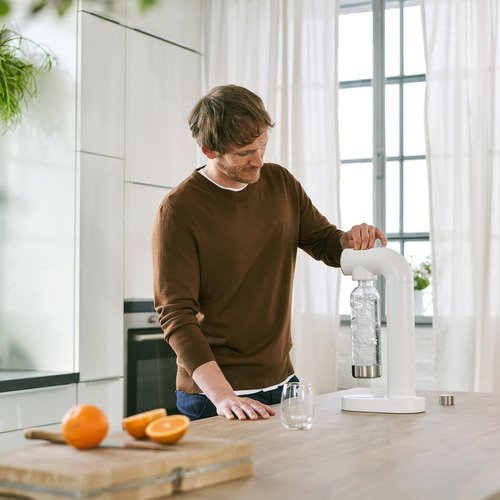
147,337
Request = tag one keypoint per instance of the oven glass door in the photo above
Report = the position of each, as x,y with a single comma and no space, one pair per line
151,371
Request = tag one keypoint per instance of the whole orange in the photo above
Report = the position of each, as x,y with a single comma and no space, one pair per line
84,426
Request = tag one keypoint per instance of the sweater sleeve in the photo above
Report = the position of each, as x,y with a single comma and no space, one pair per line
317,236
176,280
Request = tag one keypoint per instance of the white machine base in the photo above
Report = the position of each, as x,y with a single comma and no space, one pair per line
383,404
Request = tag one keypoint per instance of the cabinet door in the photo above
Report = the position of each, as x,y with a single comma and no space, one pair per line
35,407
101,86
108,396
141,204
179,21
110,10
15,439
101,267
163,85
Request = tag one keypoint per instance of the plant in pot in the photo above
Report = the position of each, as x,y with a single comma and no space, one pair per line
422,274
21,62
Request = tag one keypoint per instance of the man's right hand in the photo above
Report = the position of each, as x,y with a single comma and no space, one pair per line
242,408
212,382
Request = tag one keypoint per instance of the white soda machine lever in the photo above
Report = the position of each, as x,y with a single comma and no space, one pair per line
401,397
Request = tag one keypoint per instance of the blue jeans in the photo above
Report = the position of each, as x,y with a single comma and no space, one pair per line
196,406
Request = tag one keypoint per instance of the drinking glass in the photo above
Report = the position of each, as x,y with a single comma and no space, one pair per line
297,405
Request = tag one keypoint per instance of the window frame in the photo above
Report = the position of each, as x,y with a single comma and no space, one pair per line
378,82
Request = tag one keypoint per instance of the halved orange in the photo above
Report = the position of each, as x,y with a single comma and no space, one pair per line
136,425
167,429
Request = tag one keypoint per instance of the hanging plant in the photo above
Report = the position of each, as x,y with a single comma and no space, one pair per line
21,62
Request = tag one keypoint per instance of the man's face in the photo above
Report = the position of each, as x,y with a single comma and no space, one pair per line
242,165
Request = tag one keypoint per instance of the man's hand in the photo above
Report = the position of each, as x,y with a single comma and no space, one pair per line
212,382
242,408
362,237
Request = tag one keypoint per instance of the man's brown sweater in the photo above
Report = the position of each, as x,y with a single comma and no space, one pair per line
223,273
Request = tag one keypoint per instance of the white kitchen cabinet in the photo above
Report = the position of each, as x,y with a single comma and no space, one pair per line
100,329
115,11
47,406
15,439
107,394
141,204
101,86
179,21
163,84
120,99
35,407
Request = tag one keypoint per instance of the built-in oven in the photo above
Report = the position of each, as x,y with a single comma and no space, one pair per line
150,362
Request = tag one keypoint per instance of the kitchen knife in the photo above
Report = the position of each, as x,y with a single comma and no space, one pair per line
55,437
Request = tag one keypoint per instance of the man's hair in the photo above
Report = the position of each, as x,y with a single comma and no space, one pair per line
228,116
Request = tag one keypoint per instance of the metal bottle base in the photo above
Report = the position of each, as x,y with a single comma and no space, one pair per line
371,371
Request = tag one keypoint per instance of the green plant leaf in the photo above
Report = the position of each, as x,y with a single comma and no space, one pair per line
4,8
63,5
146,4
422,274
38,5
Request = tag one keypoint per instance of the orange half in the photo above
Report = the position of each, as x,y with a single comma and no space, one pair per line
167,430
136,425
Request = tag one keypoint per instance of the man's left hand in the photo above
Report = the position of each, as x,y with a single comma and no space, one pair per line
362,237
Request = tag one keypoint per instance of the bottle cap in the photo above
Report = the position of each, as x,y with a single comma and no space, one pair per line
446,399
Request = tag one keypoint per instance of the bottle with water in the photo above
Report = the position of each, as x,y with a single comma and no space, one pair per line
365,329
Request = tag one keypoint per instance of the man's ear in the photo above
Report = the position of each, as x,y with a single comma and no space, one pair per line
208,153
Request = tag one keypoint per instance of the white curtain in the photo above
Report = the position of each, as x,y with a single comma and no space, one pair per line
463,136
285,51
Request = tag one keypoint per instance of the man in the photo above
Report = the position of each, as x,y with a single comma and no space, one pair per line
224,250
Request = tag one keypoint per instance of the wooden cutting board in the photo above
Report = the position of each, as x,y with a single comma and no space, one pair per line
48,470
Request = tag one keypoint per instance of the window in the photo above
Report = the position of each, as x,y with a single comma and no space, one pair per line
381,127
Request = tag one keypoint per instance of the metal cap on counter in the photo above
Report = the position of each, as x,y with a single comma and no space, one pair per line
446,399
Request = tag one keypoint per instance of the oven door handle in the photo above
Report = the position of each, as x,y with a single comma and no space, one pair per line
147,337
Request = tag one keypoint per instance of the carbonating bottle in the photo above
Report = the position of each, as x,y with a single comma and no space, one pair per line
365,329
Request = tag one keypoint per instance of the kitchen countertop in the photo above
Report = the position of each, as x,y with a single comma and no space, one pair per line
448,452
